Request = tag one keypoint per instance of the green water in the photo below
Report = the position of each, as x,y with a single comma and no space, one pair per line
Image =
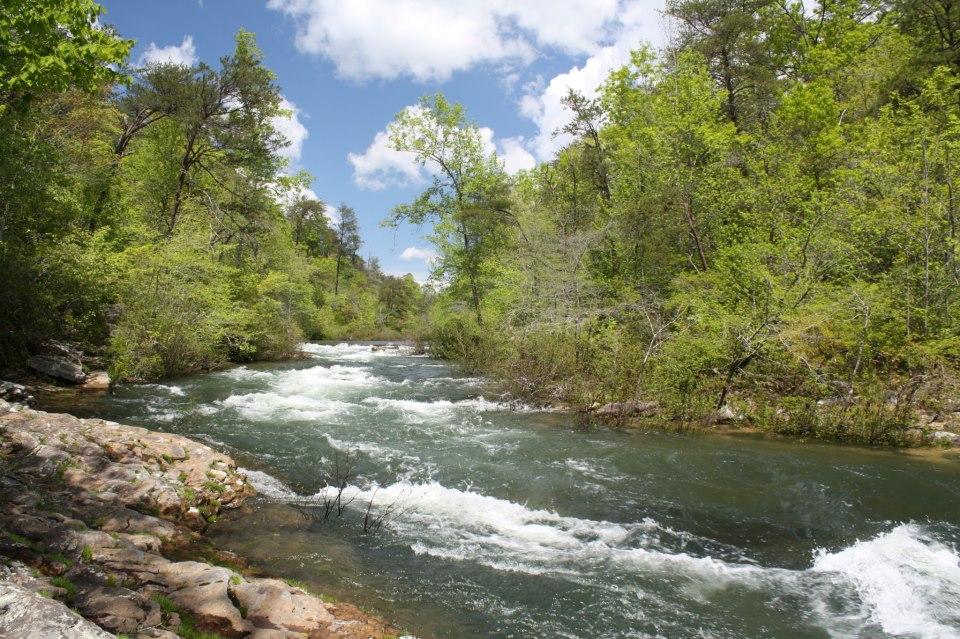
509,522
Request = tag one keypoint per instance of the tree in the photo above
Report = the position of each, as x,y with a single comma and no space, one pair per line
53,45
224,117
348,239
468,198
730,34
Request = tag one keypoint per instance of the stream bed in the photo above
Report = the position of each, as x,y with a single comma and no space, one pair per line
500,520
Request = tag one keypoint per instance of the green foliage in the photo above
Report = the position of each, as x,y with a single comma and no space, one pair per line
53,45
765,217
148,217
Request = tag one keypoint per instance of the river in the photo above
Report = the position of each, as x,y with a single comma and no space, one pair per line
506,521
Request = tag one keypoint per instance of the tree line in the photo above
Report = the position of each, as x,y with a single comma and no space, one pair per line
761,219
148,213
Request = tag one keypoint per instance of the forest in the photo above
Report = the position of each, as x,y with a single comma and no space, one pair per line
149,215
759,219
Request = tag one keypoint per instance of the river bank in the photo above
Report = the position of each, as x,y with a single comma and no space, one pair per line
97,521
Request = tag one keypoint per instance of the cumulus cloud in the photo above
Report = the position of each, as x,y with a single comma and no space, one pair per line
431,39
515,155
639,22
292,129
381,166
184,54
417,254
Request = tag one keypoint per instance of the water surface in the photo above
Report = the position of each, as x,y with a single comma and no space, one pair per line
513,522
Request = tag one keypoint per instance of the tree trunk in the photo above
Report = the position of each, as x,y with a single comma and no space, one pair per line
185,163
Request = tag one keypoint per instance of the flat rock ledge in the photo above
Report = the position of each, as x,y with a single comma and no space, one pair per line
89,509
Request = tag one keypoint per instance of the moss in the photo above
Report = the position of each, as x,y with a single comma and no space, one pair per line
235,579
182,477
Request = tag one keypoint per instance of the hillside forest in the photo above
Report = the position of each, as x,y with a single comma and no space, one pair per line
761,218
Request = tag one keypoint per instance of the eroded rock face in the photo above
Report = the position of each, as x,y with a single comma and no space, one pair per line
27,615
58,367
87,508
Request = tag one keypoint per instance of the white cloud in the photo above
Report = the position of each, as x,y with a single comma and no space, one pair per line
415,253
431,39
381,166
292,129
515,155
638,22
184,54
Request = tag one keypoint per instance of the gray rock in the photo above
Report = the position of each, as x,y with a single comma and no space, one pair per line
944,437
97,381
629,407
15,393
27,615
726,414
58,367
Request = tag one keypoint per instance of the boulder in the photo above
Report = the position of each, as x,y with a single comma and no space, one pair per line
629,407
97,381
271,603
58,367
15,393
725,414
27,615
944,437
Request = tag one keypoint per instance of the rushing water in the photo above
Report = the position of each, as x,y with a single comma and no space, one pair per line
512,522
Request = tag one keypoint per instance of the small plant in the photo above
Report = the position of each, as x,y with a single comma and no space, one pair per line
86,555
67,585
214,486
182,477
60,558
20,539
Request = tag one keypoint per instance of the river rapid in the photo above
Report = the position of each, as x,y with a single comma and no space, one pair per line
507,521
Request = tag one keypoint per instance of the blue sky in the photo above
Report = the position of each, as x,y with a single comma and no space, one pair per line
347,67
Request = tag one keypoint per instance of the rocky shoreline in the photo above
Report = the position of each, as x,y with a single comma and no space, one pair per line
91,512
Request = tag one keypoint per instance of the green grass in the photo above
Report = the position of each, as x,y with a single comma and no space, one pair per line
86,555
60,558
188,625
20,539
66,584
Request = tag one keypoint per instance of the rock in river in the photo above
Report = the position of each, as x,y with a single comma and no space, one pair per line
58,367
87,510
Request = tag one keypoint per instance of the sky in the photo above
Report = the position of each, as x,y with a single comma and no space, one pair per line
347,67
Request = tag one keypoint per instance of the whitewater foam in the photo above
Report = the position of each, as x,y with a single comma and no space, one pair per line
908,581
242,374
442,408
355,352
268,485
904,581
271,405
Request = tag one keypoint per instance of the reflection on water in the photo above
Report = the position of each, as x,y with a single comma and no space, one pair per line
508,522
